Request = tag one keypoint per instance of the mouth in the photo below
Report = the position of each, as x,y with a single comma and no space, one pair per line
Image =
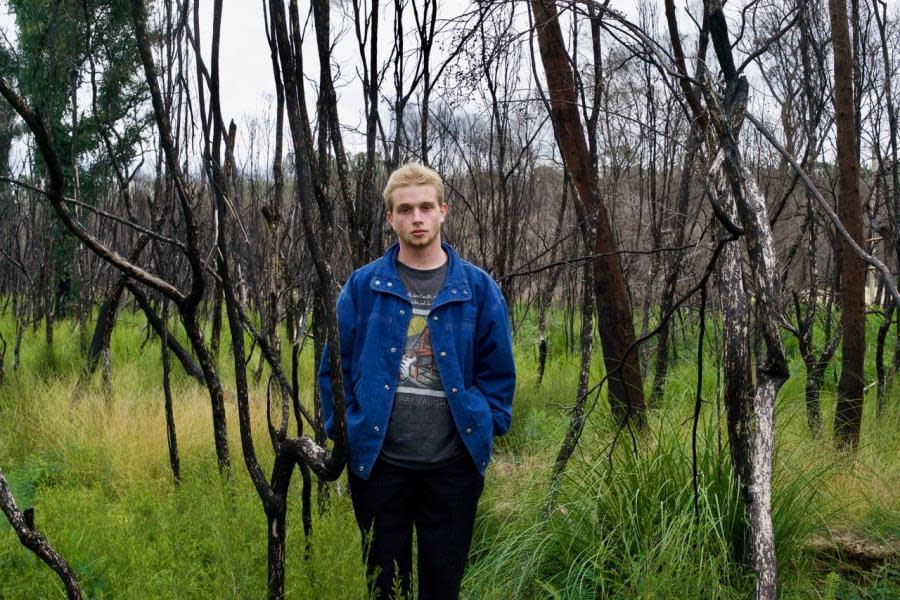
419,232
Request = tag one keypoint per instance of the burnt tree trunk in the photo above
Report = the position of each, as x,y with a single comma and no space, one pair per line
749,392
883,378
2,358
156,323
614,318
216,310
109,310
187,305
673,265
106,322
171,438
576,414
815,378
31,538
848,414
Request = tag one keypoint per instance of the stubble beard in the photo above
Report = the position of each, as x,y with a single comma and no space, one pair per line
422,242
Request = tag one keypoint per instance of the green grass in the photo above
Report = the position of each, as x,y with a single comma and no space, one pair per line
95,469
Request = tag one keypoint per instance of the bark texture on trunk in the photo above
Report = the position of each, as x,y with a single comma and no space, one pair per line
749,393
750,413
614,318
31,538
848,415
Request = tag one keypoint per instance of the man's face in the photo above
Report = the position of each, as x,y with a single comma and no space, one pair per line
417,216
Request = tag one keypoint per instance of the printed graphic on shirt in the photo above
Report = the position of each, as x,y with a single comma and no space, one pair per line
418,372
421,432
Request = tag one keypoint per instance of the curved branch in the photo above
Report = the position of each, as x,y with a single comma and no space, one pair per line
867,258
55,195
31,538
122,221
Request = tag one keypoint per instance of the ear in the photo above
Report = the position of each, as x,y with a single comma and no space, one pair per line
389,217
444,208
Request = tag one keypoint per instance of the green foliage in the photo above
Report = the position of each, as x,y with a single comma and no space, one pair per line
77,61
627,528
56,43
96,473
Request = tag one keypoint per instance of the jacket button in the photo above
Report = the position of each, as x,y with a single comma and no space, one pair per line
443,353
453,390
361,468
387,387
484,463
377,282
389,284
402,312
393,349
434,318
451,291
466,292
377,428
468,430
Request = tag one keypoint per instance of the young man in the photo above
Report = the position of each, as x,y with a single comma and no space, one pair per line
426,353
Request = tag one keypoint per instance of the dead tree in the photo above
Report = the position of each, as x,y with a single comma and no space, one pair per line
674,260
891,230
803,100
364,215
749,392
171,435
23,524
426,19
108,312
848,415
614,316
311,194
816,362
188,302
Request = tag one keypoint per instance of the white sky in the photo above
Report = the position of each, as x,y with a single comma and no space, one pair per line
247,84
246,80
246,72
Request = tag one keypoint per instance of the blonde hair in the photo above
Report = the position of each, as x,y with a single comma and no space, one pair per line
412,174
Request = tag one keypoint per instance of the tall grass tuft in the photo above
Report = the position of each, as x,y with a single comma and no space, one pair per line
630,531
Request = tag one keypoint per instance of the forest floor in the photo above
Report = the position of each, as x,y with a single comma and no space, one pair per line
627,523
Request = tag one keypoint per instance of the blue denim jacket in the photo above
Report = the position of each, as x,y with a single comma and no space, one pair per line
470,335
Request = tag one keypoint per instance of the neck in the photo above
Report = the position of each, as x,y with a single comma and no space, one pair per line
430,257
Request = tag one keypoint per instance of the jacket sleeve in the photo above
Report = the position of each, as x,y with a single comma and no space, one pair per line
346,317
494,374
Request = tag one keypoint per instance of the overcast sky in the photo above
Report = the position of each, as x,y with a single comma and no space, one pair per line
247,83
246,72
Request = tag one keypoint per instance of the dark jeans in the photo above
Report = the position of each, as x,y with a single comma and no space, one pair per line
440,503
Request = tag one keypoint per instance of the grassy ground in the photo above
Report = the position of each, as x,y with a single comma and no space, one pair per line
94,466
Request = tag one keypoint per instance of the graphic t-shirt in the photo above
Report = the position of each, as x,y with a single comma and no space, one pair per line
421,433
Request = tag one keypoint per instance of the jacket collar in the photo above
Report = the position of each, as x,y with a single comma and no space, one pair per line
456,286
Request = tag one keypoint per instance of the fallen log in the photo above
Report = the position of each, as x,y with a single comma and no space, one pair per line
854,551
